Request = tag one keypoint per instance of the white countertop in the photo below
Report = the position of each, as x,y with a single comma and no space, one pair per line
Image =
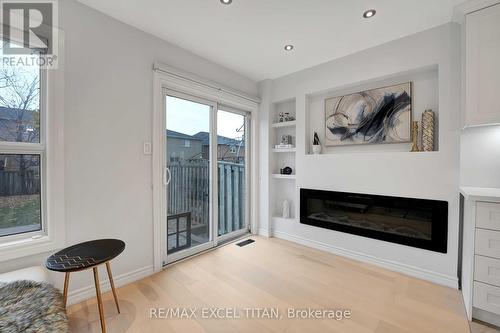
480,193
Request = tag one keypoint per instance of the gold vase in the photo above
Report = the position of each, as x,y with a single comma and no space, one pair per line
414,135
428,130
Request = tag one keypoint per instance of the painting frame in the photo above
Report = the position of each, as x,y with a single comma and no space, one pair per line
406,126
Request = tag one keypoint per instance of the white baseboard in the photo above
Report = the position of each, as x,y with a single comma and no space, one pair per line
487,317
264,232
420,273
82,294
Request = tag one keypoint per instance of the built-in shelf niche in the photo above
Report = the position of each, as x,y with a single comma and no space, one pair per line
283,190
282,186
279,219
284,124
287,106
284,150
280,176
425,94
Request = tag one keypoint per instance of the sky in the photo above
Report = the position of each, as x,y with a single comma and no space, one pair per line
190,118
22,77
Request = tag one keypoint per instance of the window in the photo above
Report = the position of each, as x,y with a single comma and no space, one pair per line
187,144
22,149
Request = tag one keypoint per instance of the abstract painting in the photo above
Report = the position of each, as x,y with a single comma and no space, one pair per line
380,115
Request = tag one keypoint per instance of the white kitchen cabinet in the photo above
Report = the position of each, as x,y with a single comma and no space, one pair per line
480,277
482,67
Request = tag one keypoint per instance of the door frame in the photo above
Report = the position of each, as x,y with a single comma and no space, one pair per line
172,79
248,170
212,171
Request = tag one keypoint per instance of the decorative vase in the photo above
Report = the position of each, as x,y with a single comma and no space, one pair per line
286,209
414,134
428,130
316,149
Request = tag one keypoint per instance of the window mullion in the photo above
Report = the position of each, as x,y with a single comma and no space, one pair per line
19,149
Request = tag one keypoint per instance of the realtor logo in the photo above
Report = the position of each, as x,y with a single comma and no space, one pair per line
29,32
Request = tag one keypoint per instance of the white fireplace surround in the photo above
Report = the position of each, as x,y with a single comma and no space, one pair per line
431,59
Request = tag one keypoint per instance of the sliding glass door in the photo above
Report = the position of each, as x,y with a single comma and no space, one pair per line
232,172
188,175
205,175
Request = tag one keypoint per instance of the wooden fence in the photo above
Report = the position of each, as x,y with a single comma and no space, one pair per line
188,191
19,182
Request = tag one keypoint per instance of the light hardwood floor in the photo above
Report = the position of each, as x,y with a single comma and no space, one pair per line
274,273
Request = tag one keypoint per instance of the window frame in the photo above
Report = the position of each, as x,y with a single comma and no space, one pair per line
36,148
50,148
43,207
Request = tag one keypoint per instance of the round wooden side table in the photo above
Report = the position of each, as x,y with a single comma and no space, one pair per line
84,256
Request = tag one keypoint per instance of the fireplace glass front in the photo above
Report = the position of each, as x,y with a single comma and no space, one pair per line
415,222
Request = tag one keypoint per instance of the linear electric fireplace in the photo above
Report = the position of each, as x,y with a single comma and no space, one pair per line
415,222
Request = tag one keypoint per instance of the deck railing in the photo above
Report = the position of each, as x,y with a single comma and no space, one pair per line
189,192
232,188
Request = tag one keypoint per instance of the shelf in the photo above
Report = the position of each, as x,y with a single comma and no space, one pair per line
291,219
366,153
284,124
280,176
284,150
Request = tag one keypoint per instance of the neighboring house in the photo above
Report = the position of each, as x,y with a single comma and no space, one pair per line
18,125
229,150
182,146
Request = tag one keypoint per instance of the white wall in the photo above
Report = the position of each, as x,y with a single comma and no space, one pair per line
264,163
384,169
480,157
108,116
425,95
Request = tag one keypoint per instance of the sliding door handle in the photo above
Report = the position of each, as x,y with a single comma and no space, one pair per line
167,176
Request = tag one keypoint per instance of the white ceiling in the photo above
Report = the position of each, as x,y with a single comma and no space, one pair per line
248,36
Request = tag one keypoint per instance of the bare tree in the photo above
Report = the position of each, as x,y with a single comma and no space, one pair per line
20,94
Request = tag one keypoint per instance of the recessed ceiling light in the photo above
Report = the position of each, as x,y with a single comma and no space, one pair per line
369,13
226,2
288,47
